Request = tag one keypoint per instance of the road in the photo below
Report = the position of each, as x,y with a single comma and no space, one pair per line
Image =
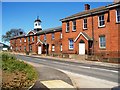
109,74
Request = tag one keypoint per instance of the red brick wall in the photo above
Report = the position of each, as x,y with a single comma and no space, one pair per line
110,31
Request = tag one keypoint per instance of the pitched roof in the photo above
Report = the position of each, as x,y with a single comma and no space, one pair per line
91,12
50,30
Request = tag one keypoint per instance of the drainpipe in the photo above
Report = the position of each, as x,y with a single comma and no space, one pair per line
92,35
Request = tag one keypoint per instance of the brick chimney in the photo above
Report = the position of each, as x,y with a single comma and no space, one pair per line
87,7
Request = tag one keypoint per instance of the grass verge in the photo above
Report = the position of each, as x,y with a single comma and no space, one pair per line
16,74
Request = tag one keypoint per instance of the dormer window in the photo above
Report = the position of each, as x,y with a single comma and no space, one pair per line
101,21
118,15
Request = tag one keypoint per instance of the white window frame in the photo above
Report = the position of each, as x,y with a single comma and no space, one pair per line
24,39
118,9
84,23
38,38
20,40
61,47
67,27
45,37
100,42
32,38
53,36
53,48
71,48
101,21
73,25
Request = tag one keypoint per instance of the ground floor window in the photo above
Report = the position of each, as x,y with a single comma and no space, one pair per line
61,47
71,46
102,42
53,48
30,48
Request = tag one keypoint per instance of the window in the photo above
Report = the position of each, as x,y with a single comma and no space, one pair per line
61,47
118,15
24,39
61,35
45,37
28,39
32,38
20,48
74,25
24,48
20,40
71,44
38,38
101,21
102,42
53,36
85,23
53,47
30,48
67,27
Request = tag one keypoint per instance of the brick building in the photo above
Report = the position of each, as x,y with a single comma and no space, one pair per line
92,32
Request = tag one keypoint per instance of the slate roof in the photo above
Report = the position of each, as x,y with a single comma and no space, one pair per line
50,30
91,12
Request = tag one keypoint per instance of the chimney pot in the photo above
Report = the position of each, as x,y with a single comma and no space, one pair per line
87,7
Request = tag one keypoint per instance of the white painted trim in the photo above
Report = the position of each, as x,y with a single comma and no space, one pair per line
73,25
116,15
79,36
83,23
40,42
99,44
31,31
99,21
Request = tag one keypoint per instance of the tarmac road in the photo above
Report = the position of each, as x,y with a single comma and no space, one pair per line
105,73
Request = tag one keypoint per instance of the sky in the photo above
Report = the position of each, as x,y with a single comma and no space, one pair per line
22,14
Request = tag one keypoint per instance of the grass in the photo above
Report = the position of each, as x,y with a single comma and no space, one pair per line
11,64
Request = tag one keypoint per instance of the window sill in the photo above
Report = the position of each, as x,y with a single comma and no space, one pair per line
73,30
101,26
67,31
104,48
117,22
85,29
70,49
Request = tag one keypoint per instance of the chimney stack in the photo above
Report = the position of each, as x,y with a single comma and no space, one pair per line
87,7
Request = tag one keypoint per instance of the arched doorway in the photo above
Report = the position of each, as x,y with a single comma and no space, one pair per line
82,47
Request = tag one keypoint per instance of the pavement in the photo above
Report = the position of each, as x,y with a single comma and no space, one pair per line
51,79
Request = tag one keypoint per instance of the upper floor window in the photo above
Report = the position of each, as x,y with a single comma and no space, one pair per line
30,48
45,37
20,40
101,21
74,25
85,23
38,38
61,35
102,42
53,47
53,36
118,15
28,39
32,38
24,39
67,26
71,42
25,48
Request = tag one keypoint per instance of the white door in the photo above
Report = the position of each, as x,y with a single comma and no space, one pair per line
81,48
39,50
